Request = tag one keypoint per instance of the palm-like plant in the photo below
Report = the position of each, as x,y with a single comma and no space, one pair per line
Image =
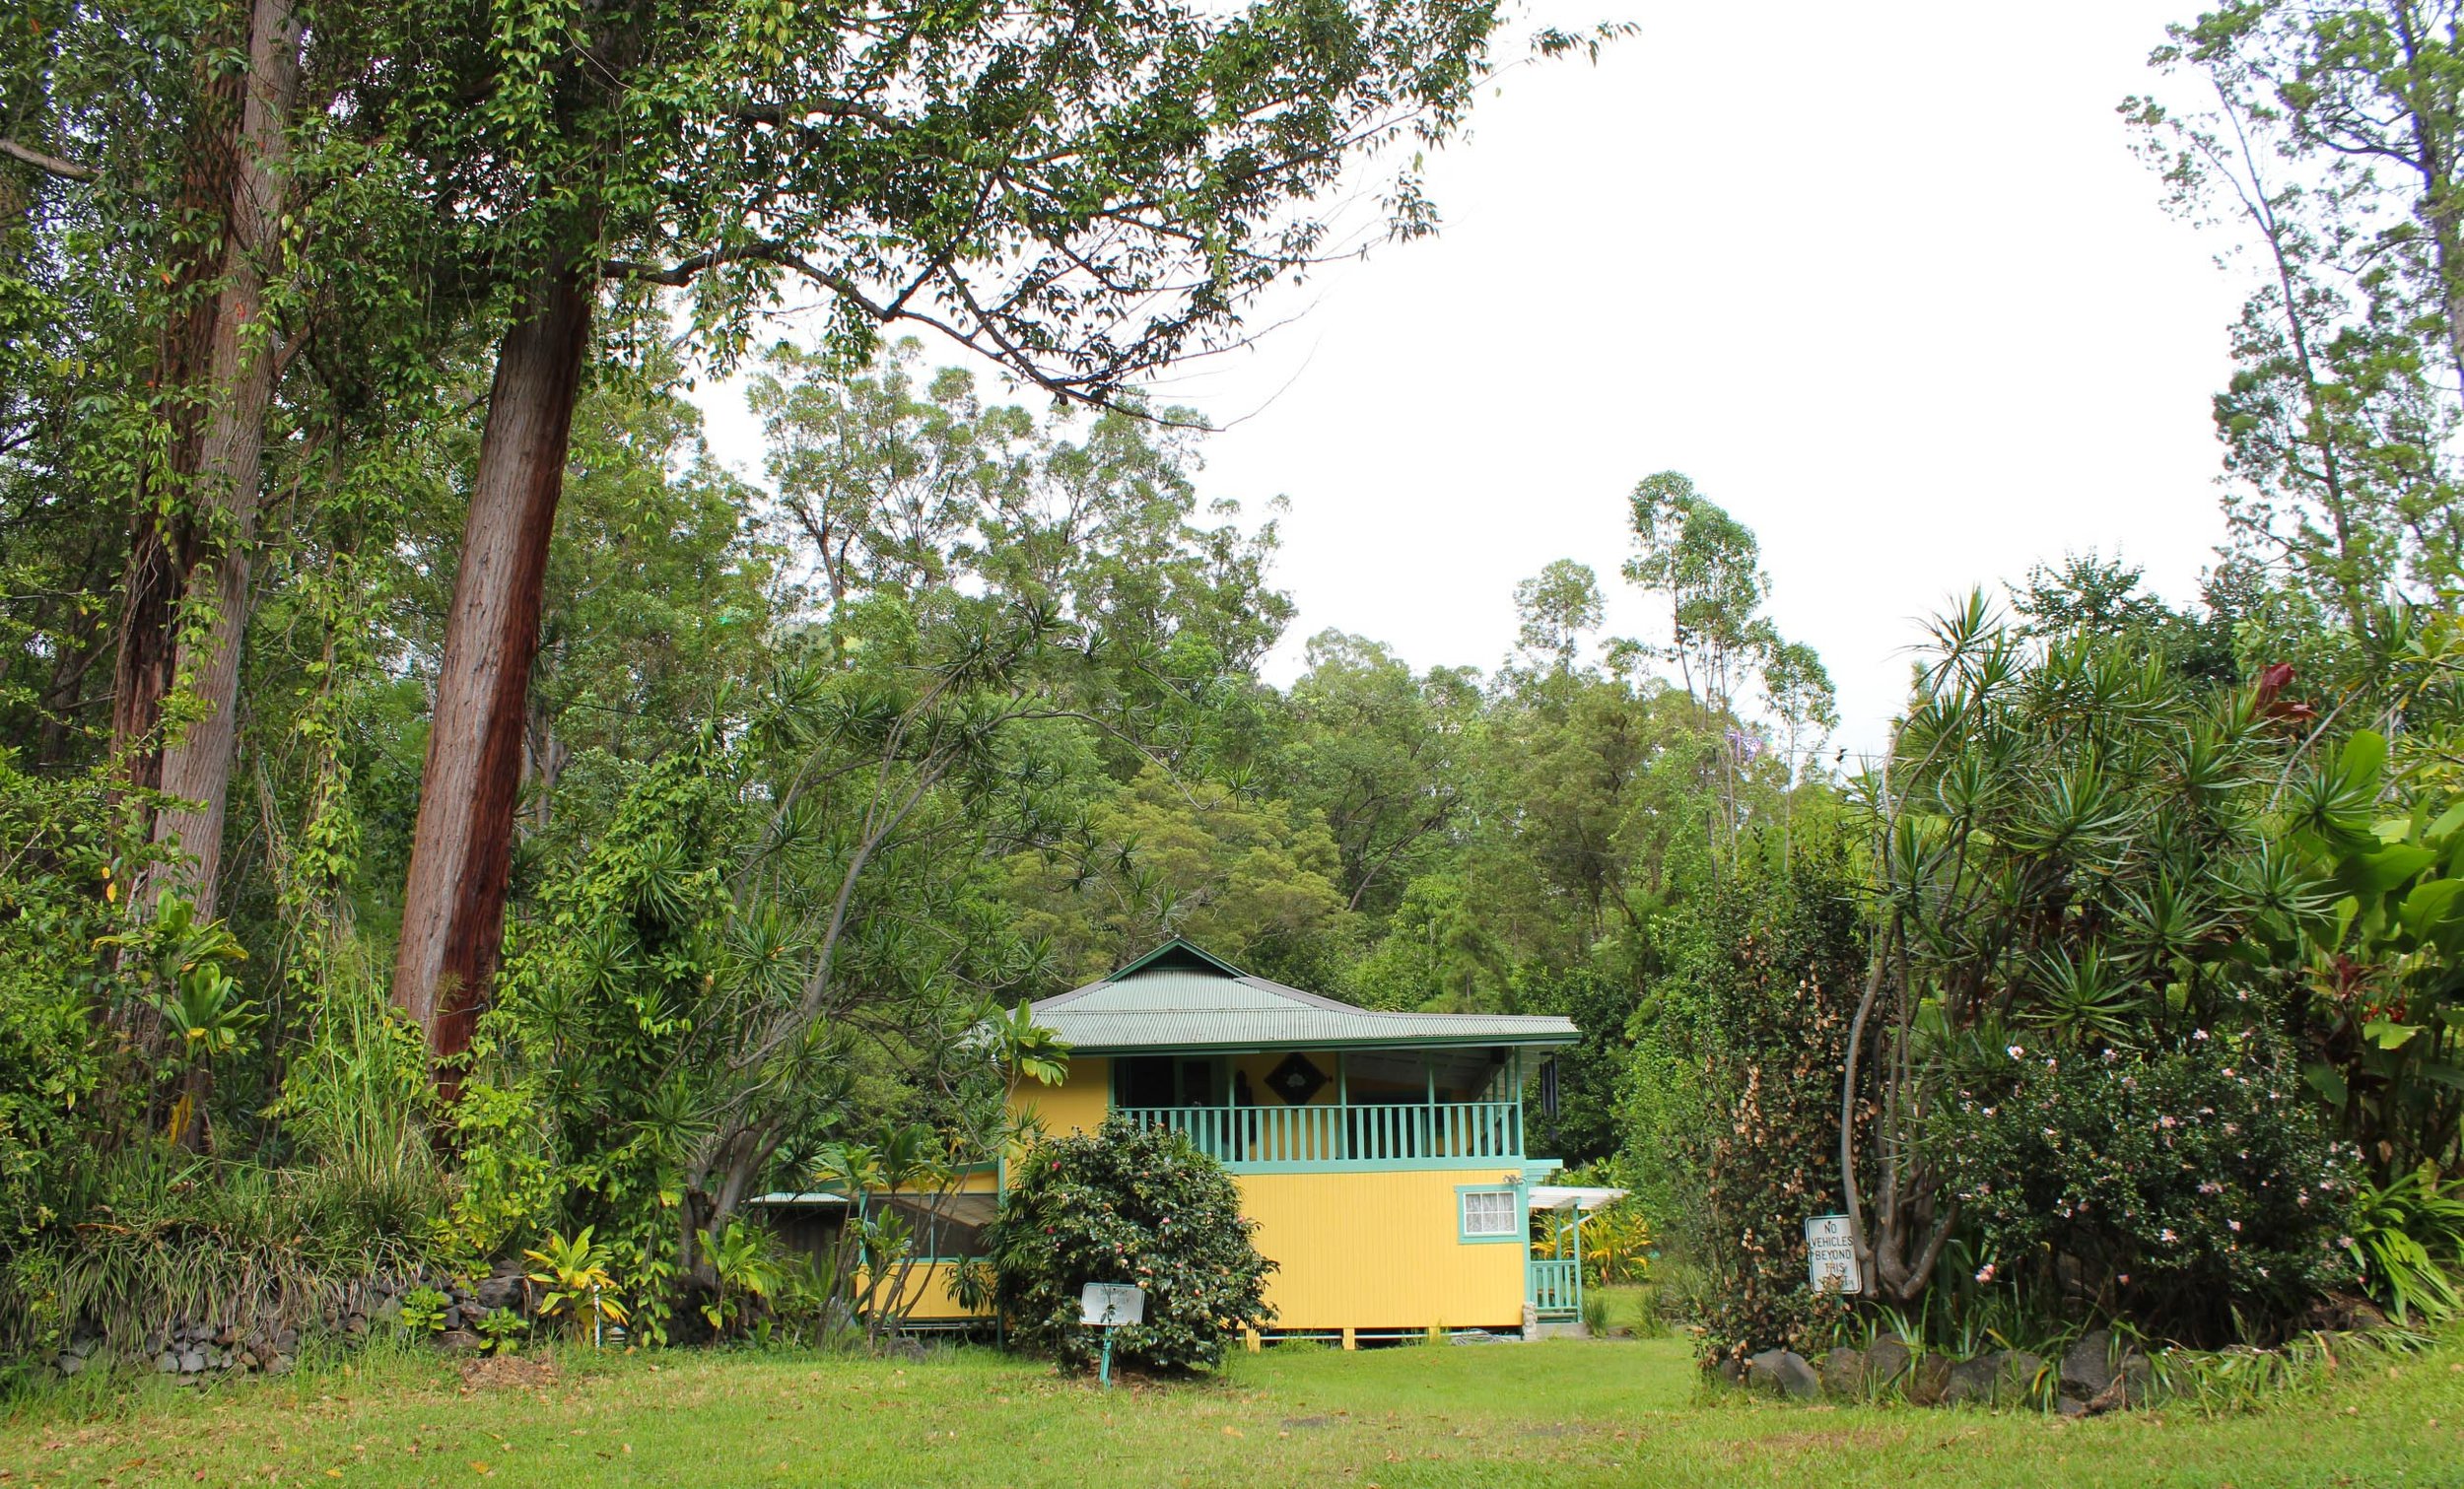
746,1270
575,1272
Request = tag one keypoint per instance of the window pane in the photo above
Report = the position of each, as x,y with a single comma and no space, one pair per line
1488,1213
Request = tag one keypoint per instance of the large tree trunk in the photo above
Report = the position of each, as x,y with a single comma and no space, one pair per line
188,563
461,851
196,763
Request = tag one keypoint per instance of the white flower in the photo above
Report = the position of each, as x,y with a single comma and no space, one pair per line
2233,1225
2198,1034
2166,1235
2015,1052
1985,1273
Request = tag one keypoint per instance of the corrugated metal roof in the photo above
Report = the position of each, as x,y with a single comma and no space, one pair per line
1179,1007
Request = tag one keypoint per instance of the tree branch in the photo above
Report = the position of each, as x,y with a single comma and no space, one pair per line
49,164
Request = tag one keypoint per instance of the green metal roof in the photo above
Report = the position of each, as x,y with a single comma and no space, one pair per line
1190,1001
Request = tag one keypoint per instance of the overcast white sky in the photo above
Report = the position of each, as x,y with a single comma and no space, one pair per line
1885,279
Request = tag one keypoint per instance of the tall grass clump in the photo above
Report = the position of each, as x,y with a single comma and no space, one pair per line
157,1235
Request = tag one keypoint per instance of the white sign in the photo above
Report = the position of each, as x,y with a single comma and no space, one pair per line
1832,1255
1111,1304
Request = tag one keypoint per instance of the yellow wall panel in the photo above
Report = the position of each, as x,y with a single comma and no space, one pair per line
1381,1250
1078,1105
928,1284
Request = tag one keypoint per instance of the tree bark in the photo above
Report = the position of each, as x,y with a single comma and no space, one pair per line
461,849
240,366
215,366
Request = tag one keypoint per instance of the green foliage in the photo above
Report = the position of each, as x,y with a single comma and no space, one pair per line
1137,1205
2180,1183
580,1287
748,1275
423,1312
499,1329
2367,940
1735,1101
57,896
2409,1238
174,1234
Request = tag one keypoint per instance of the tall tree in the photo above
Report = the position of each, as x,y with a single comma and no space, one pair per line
2328,133
1081,190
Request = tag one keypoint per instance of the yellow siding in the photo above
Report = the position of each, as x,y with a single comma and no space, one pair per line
1078,1105
1380,1250
928,1284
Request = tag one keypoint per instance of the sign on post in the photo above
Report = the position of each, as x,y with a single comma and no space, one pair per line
1108,1306
1831,1256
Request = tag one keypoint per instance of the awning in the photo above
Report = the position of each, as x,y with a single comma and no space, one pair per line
1555,1197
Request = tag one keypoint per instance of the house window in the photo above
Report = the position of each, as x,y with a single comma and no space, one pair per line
1490,1215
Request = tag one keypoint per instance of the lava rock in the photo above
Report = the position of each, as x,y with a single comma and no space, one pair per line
1842,1371
167,1363
2019,1371
67,1364
1928,1378
461,1341
499,1290
1784,1371
1887,1360
1972,1381
2087,1365
191,1360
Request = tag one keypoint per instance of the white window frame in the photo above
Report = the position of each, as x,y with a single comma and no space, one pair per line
1495,1224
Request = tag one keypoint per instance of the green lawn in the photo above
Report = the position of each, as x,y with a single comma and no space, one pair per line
1564,1412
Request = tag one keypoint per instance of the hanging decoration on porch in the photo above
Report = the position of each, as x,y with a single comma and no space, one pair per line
1296,1080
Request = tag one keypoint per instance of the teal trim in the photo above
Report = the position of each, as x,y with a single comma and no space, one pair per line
1464,1132
1377,1041
1519,1236
1374,1166
1178,947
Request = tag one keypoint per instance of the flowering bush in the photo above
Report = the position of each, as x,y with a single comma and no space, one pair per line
1734,1098
2170,1184
1129,1204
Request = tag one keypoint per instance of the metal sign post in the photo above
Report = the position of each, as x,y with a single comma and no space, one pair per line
1108,1306
1831,1256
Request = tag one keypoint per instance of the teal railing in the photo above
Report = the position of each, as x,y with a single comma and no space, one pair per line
1557,1287
1361,1135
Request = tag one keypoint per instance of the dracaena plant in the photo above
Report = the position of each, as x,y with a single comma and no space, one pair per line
580,1287
2075,855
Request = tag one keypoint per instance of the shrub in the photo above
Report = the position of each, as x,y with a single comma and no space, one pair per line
1129,1204
1735,1099
2170,1186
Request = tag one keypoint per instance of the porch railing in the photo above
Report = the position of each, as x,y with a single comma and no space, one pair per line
1557,1287
1362,1135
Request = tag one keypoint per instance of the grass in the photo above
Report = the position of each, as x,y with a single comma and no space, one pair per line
1559,1413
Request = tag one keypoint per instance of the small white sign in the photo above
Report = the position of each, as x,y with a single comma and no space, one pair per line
1109,1305
1831,1256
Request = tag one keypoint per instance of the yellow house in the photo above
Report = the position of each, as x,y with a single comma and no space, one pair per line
1381,1154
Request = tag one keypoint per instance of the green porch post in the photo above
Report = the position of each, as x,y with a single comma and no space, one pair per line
1578,1258
1343,1106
